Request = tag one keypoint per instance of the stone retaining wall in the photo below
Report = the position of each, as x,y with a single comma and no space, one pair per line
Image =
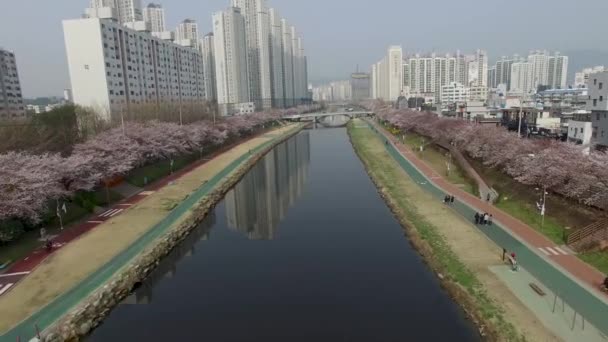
92,311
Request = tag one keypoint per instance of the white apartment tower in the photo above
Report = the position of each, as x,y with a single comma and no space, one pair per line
128,11
522,78
208,53
503,71
230,59
395,72
276,60
558,71
539,62
477,65
257,34
114,68
186,33
11,99
154,15
288,80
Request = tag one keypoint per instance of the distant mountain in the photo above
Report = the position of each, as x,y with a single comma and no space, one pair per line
580,59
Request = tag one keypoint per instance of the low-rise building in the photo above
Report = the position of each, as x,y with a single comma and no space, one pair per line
597,105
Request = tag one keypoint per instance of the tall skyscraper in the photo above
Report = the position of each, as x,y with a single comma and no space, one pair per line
360,86
230,59
128,10
208,51
492,77
276,60
288,80
186,33
539,62
257,33
395,72
503,71
522,77
477,65
11,98
558,71
154,15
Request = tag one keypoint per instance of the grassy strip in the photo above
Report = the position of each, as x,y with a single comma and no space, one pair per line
462,284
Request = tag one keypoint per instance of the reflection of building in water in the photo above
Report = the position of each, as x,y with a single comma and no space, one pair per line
168,266
257,204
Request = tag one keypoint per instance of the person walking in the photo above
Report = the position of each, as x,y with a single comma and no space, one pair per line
452,200
486,217
490,219
476,218
488,198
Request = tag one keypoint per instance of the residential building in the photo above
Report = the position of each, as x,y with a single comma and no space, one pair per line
478,93
539,64
186,33
127,11
558,71
288,77
492,77
580,129
560,101
503,71
114,68
154,15
521,78
230,60
581,77
257,35
477,66
207,47
374,82
597,105
11,98
276,60
360,86
454,92
395,72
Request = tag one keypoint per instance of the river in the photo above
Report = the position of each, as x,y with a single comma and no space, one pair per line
302,249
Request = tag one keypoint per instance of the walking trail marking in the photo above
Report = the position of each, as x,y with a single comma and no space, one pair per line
564,274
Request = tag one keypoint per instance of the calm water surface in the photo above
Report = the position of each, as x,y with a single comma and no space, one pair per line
302,249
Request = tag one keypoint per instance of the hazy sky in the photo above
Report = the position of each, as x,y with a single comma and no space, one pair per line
338,34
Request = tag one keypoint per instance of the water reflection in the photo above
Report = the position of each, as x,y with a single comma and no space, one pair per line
257,204
168,266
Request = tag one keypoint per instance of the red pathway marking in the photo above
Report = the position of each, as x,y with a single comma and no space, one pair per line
580,270
20,269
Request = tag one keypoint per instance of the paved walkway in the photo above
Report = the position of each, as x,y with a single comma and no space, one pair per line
566,275
62,304
20,269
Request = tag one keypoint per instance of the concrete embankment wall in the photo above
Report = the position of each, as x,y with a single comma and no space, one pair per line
91,311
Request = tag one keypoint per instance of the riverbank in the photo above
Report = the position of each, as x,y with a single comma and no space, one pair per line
451,247
124,250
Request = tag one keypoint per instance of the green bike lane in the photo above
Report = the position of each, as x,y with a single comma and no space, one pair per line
587,304
49,314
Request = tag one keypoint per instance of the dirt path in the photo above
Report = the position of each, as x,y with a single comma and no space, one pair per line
476,251
77,260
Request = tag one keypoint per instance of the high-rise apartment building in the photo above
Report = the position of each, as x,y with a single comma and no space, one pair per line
503,71
288,79
128,11
539,62
114,68
154,15
230,50
477,66
492,77
558,71
257,34
11,98
207,48
360,86
276,60
186,33
522,77
395,72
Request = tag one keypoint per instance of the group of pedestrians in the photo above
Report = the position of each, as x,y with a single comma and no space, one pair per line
483,219
448,199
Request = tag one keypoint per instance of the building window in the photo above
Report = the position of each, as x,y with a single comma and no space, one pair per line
601,98
601,85
86,67
597,115
595,81
595,104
